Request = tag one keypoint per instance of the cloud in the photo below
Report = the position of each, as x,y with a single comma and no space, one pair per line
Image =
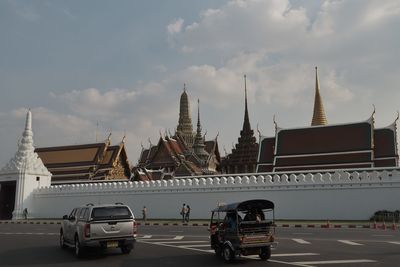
92,101
25,11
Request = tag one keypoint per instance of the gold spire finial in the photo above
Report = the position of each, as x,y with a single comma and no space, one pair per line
319,117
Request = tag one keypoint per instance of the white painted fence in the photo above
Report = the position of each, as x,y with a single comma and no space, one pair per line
345,195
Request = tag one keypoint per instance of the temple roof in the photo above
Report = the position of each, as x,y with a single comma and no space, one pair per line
266,151
86,161
325,139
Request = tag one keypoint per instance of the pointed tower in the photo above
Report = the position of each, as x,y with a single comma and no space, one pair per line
243,158
198,145
319,117
246,131
185,127
26,170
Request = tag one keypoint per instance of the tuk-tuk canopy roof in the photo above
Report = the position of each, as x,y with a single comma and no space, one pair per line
247,205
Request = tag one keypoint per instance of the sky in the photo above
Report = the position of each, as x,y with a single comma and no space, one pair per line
97,66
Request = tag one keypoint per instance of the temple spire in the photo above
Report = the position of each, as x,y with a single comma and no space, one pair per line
185,127
198,145
246,122
319,117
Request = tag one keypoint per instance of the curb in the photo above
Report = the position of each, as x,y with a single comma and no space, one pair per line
197,224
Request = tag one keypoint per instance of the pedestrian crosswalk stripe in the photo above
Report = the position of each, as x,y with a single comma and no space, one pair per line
183,242
300,241
146,236
195,246
348,242
333,262
178,237
293,254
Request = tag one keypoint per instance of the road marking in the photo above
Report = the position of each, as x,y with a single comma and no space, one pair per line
394,242
182,242
290,263
19,233
348,242
294,254
300,241
333,262
179,237
383,235
146,236
194,246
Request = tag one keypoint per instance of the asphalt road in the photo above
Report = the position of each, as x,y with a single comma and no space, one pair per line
37,245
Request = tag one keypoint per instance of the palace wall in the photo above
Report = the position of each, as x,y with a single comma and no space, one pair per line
334,195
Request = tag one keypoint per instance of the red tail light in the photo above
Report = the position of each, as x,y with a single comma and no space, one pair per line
86,230
135,228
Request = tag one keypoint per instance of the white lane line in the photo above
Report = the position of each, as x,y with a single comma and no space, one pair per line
194,246
383,235
212,251
19,233
174,246
348,242
181,242
157,239
300,241
394,242
293,254
146,236
334,262
179,237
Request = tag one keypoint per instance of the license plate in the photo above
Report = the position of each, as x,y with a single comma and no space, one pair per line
112,244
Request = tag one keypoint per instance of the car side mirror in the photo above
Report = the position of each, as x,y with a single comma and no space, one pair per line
65,217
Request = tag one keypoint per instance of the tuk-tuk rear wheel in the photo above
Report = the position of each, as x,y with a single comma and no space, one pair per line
265,253
228,254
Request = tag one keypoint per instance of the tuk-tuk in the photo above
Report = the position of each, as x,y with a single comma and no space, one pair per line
243,228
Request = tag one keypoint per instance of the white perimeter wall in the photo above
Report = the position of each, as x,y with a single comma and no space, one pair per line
339,195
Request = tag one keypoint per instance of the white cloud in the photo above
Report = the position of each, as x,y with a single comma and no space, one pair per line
176,26
25,11
91,101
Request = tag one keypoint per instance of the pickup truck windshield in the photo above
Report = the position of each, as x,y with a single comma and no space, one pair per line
111,213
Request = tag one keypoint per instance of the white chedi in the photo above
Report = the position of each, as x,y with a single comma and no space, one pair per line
25,159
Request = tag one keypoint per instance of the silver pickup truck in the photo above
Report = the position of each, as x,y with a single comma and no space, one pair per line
103,226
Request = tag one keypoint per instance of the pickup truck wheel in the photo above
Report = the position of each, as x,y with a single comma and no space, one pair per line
265,253
62,240
126,250
228,254
78,248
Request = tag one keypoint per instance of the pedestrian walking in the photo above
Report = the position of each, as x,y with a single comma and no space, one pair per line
25,213
187,215
183,212
144,213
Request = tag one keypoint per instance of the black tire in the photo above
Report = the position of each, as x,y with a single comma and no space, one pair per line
265,253
62,240
126,249
228,254
79,250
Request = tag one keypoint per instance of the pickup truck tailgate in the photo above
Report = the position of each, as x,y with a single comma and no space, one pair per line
111,222
111,229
